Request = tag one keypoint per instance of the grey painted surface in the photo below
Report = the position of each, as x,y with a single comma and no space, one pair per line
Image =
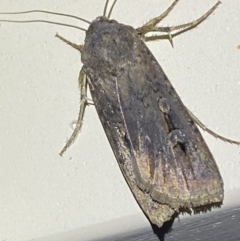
222,225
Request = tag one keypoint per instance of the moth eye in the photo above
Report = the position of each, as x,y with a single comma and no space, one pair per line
112,21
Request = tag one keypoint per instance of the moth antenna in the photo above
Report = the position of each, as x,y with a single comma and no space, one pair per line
48,12
105,8
111,9
43,21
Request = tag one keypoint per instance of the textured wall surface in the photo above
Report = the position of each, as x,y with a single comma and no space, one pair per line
82,194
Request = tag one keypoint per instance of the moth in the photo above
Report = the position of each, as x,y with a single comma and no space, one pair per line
160,151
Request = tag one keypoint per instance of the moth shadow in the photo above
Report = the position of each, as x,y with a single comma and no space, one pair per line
165,229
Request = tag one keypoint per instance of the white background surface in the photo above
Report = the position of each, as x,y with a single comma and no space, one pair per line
43,194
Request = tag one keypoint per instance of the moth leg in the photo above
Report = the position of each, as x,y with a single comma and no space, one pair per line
82,80
216,135
75,46
74,122
151,25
